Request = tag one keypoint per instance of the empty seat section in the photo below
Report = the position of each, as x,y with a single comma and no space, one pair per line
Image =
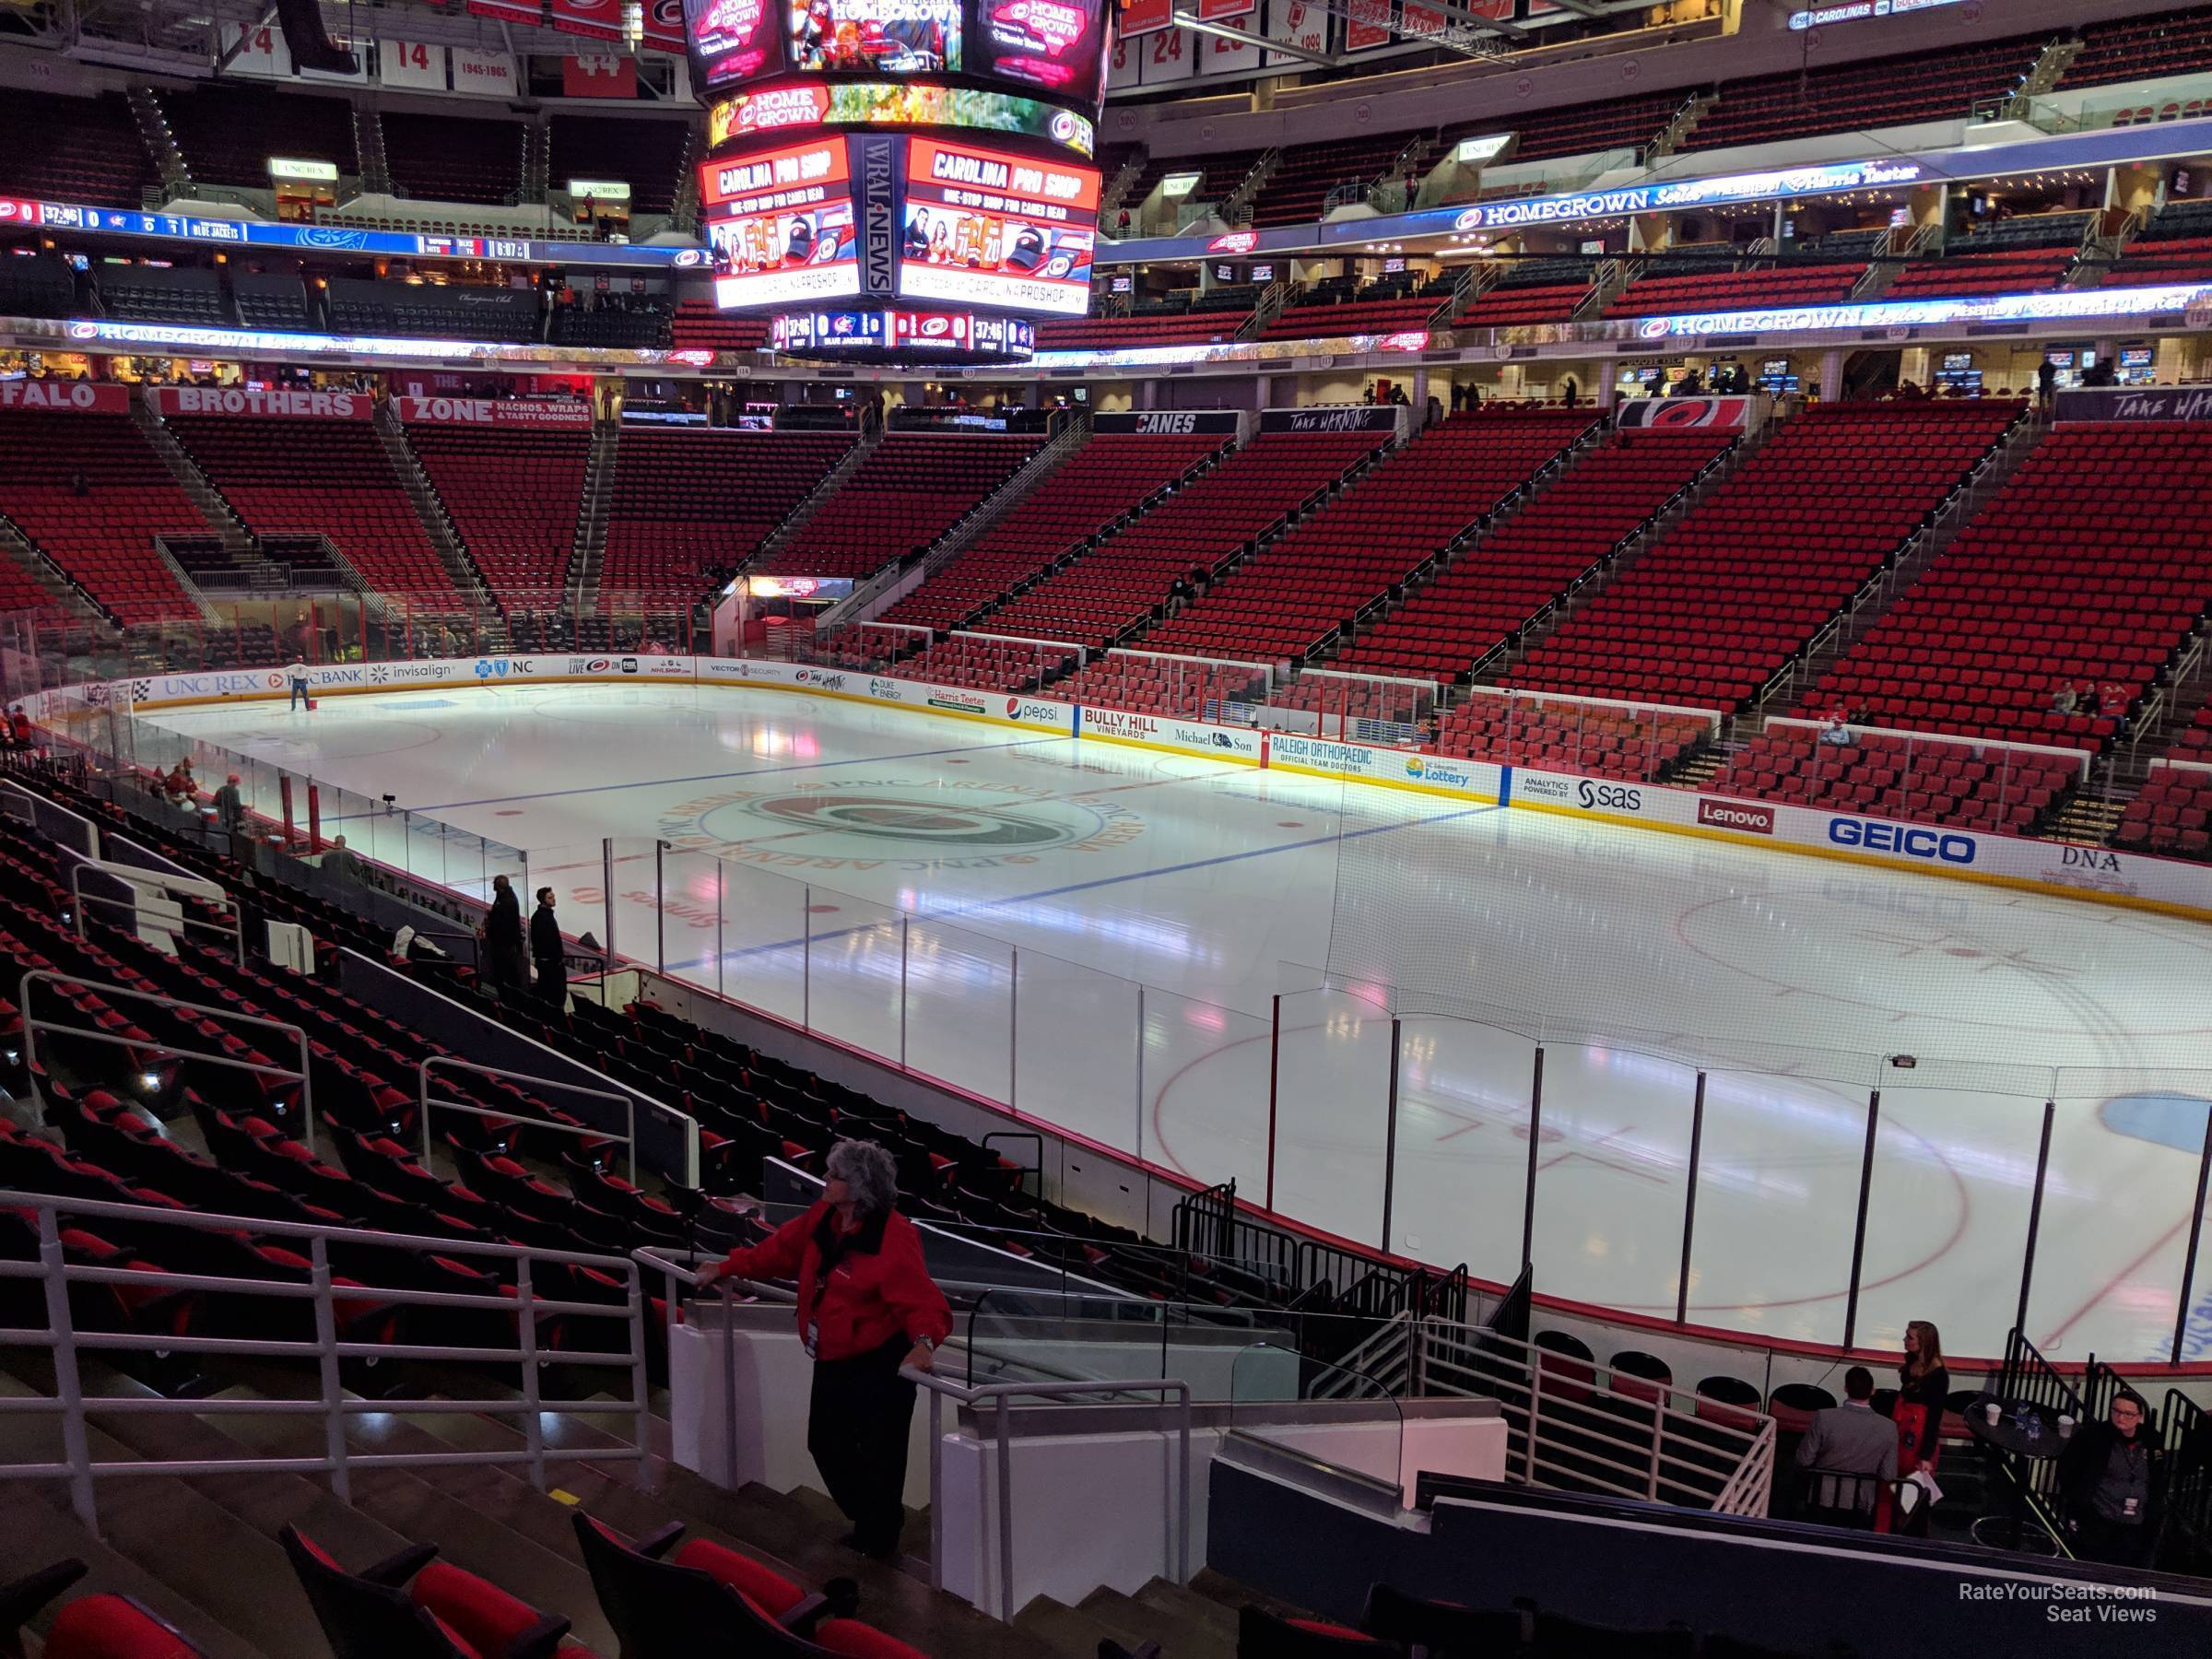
1111,589
1085,497
228,134
271,299
1667,285
1165,325
1591,738
36,285
1356,316
1929,780
1531,291
1626,123
2174,248
990,664
103,537
2086,571
2000,271
699,326
74,149
648,156
1153,685
2176,43
1714,609
158,294
2172,813
1513,573
321,478
453,157
513,497
1893,92
1292,598
691,506
912,488
424,311
1307,176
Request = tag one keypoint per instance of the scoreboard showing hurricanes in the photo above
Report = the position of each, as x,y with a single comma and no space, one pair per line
903,181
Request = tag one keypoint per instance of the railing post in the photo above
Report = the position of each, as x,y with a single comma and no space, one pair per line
1690,1202
1535,1131
903,920
1274,1072
1006,1509
1182,1524
1390,1136
326,1366
729,1385
1858,1236
68,1388
936,1488
2035,1213
807,958
639,1305
606,904
533,1426
1536,1407
1140,1140
2197,1228
1013,1028
660,906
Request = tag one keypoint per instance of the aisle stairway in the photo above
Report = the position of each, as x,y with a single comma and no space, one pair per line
201,1549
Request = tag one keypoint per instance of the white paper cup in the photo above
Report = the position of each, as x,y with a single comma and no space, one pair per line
1993,1411
2066,1426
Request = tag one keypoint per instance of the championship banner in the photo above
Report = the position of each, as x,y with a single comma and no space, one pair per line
528,12
1676,414
1144,18
600,19
261,401
65,397
663,27
567,416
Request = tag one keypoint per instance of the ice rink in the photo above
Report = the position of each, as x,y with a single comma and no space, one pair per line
1096,933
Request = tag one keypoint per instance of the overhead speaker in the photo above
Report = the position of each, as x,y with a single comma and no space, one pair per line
302,24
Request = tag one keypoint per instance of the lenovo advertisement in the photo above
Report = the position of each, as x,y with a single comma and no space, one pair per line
984,228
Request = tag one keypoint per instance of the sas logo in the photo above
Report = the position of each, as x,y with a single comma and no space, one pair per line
1935,845
1607,797
1735,815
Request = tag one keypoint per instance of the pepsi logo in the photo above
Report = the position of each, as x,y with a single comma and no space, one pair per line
1013,708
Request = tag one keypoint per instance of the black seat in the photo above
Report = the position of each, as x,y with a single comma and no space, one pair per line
710,1602
1444,1630
1262,1635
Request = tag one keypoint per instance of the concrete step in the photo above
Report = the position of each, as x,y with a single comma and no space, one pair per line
1064,1631
1185,1634
235,1577
1191,1609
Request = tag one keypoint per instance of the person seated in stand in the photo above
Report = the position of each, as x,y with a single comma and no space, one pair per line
180,785
2066,699
1837,732
1850,1449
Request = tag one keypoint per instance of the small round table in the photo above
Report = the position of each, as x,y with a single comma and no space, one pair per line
2012,1433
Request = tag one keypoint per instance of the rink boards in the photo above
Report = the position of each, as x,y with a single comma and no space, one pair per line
2168,886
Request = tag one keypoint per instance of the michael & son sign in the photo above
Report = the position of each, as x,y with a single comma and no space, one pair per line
2126,877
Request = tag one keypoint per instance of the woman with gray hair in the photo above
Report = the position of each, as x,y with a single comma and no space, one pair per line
868,1307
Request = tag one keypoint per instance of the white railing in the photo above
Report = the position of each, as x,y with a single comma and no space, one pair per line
627,1103
81,1470
998,1394
33,1025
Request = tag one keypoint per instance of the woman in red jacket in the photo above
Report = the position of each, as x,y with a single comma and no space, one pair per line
866,1308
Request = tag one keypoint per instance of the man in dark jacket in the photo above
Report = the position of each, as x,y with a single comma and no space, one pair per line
229,809
2108,1480
504,964
546,951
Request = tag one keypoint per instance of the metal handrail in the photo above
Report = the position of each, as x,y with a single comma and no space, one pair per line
628,1136
191,886
942,1388
939,1387
32,1026
66,1343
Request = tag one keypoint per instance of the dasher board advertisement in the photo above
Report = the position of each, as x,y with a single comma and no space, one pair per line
781,225
985,227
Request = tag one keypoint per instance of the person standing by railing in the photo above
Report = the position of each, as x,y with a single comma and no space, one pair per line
868,1309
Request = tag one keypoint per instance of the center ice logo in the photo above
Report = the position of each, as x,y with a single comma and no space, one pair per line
864,824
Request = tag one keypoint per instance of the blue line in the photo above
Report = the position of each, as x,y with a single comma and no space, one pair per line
1083,886
750,771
